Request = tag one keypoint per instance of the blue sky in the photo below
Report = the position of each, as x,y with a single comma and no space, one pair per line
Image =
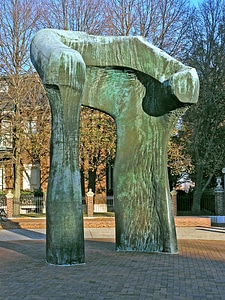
194,1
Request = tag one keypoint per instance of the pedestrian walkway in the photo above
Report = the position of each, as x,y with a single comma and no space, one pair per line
196,272
200,233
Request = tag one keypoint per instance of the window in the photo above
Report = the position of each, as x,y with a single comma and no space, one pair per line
6,134
32,127
2,176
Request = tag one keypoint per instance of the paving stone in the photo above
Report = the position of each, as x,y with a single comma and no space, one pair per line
197,272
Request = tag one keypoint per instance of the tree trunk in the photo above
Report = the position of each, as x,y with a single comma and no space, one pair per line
196,205
92,180
17,176
17,182
82,182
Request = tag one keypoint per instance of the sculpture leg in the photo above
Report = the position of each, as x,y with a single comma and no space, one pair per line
64,228
144,217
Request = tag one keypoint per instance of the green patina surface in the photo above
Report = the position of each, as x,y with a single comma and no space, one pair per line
141,87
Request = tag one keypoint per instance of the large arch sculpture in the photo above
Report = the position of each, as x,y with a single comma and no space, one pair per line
144,89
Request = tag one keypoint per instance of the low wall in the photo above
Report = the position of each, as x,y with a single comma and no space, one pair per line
186,221
101,222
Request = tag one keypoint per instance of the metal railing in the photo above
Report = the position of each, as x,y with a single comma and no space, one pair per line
3,201
185,200
36,205
32,204
28,203
208,202
110,204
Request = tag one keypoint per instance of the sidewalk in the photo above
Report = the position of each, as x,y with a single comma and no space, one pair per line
196,272
188,233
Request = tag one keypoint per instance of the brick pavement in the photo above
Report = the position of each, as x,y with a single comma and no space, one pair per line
197,272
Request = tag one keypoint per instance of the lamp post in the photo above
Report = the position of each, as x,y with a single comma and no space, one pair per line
219,196
90,203
223,171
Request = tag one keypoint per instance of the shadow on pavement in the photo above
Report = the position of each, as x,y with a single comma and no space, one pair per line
9,224
21,234
212,229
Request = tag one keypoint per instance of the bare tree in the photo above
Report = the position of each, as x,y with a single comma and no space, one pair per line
162,22
97,145
77,15
120,16
37,125
18,23
204,123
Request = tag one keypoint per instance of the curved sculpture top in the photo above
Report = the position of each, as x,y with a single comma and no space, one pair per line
50,48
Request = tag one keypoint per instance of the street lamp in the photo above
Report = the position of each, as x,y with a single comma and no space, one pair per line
223,171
